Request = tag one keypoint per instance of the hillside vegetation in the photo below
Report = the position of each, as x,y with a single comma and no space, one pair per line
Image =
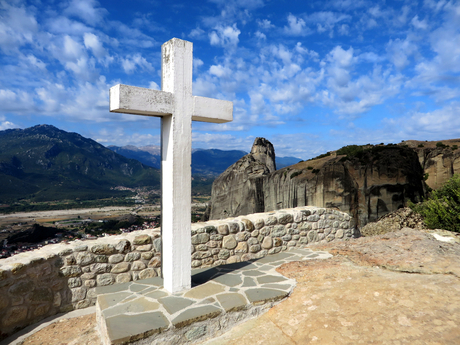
441,210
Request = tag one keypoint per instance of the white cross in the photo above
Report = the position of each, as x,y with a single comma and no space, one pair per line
177,107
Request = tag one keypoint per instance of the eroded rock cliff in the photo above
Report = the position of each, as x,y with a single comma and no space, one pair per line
439,159
239,189
377,180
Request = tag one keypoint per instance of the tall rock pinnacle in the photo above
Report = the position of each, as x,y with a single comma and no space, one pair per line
239,189
264,152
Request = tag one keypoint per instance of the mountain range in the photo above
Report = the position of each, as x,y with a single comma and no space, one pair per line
205,162
44,163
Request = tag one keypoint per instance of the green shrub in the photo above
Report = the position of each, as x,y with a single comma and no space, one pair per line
310,167
327,154
296,173
454,147
350,150
442,209
315,171
441,145
421,145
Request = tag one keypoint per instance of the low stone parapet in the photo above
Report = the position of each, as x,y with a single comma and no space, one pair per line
62,277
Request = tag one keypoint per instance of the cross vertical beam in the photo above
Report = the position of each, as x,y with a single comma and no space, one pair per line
176,160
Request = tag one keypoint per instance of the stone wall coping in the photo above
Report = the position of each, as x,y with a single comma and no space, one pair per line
49,251
52,250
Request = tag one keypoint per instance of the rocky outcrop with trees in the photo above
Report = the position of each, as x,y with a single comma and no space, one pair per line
365,181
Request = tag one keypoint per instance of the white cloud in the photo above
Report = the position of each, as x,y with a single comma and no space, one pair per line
341,58
221,141
435,5
197,63
154,86
326,21
132,37
4,124
344,30
92,42
260,35
375,11
296,26
61,25
204,87
119,137
18,26
348,5
399,52
197,33
402,18
419,24
17,101
86,10
371,23
72,50
220,71
440,123
225,35
444,121
233,10
131,62
355,96
36,62
265,24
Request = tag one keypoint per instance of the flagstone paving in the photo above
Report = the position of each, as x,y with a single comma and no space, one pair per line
220,297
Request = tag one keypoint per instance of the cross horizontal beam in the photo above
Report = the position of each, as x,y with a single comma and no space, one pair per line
141,101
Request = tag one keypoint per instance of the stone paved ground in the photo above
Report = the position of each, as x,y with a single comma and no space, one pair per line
351,298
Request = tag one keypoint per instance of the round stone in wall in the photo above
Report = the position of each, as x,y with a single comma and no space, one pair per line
229,242
267,243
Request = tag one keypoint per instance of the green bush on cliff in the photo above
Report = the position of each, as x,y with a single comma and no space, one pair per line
350,150
442,208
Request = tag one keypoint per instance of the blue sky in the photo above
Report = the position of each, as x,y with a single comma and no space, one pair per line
310,76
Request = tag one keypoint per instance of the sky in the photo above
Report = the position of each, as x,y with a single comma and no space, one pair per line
309,76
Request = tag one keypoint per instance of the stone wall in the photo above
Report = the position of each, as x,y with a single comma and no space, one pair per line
62,277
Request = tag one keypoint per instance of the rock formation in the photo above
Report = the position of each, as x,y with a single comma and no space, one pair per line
378,180
394,221
439,159
239,189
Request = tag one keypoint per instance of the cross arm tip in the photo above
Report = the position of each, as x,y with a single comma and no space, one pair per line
212,110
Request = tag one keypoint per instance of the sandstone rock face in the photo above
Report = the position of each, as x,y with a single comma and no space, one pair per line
239,189
367,186
439,162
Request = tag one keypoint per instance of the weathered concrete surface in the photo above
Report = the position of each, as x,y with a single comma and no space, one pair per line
338,301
